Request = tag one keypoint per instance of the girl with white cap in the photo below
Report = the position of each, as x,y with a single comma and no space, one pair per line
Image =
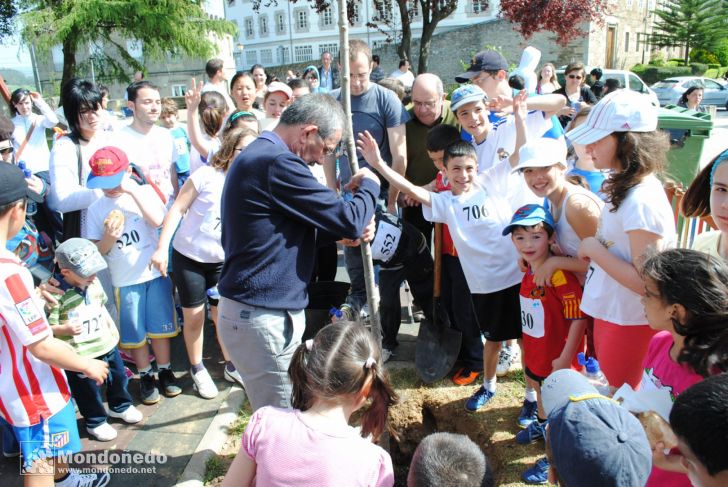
621,135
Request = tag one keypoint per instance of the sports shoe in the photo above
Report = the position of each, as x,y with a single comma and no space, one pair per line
130,415
148,389
233,377
76,479
479,399
464,376
103,432
346,313
528,414
387,355
168,383
504,361
538,474
531,434
203,384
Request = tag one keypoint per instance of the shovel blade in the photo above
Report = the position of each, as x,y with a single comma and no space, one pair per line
437,349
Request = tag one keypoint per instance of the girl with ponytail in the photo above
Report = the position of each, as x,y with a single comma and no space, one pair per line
335,374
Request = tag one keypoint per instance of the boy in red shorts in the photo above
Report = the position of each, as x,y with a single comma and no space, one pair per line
552,324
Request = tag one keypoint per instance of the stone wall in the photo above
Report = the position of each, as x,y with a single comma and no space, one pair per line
449,50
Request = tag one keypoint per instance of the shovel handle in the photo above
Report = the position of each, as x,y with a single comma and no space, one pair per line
437,274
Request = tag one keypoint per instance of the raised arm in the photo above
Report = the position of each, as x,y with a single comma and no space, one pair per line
398,148
370,150
192,99
520,111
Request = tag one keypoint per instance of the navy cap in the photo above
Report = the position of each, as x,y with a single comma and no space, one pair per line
13,185
483,61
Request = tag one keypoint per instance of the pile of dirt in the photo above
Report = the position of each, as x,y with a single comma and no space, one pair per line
426,409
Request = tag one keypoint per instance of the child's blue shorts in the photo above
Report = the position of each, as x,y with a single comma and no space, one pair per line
146,310
57,435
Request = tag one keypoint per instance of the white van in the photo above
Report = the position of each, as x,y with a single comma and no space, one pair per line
627,79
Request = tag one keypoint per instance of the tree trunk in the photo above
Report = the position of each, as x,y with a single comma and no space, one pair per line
428,30
69,57
405,46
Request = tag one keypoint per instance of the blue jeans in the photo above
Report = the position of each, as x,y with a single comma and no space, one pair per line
261,342
88,395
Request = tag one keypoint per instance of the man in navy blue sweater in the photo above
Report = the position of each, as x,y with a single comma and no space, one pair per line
273,213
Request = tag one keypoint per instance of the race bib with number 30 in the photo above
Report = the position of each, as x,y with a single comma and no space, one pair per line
532,317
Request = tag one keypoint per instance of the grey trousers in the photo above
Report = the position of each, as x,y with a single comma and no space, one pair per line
261,342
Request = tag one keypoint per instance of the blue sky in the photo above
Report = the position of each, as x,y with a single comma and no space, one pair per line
13,56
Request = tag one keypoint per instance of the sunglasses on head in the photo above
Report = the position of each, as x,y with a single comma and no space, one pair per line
575,76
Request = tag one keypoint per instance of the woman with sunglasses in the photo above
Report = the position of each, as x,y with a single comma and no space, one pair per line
576,91
29,137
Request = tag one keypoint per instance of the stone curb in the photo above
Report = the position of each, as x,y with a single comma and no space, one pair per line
213,439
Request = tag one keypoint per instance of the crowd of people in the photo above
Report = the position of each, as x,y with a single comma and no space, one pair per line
557,239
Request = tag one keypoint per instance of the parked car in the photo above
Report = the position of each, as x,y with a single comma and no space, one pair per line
627,79
670,90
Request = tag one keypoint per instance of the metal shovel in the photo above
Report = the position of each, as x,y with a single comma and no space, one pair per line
438,345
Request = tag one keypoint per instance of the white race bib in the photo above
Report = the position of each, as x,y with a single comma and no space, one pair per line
134,238
473,210
385,241
92,322
532,317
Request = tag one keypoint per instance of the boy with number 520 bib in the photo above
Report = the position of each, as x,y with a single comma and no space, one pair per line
552,323
81,320
124,225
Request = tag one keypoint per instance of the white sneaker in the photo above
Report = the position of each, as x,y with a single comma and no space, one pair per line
103,432
234,377
504,361
203,384
387,354
130,415
75,479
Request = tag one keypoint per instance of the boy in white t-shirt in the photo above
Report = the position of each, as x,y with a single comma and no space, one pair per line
476,209
124,224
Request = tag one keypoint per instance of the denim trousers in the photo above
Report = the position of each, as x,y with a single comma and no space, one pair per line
88,395
261,342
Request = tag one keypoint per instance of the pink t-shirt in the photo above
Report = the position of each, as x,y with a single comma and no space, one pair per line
665,373
289,451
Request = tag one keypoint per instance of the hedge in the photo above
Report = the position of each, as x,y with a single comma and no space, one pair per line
653,74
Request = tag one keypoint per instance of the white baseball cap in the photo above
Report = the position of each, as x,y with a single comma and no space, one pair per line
619,111
542,152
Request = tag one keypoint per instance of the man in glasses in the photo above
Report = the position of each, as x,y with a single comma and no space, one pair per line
274,214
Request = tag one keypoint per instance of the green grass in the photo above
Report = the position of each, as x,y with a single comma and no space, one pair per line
214,467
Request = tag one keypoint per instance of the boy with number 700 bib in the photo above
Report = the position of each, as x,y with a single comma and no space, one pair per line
124,224
80,319
476,209
553,325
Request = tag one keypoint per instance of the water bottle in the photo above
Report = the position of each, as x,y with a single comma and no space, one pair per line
594,374
31,207
213,293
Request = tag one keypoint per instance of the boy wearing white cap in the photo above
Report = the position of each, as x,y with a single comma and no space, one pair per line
80,319
621,135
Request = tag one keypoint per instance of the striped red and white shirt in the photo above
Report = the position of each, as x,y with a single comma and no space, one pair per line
29,388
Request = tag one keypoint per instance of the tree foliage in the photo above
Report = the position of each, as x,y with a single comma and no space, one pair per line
160,27
8,12
562,17
690,23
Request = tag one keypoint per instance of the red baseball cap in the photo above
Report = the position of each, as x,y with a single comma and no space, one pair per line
108,166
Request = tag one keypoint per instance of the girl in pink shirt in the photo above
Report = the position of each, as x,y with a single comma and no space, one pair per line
686,300
333,376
